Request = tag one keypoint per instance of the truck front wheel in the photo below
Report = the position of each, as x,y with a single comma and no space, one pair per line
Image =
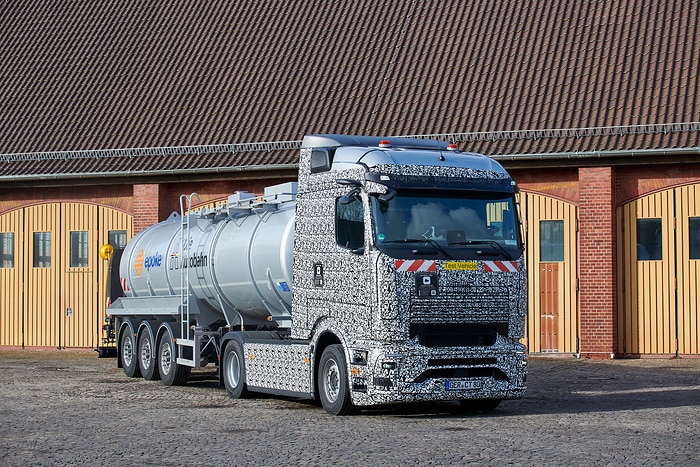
333,385
127,353
171,374
234,371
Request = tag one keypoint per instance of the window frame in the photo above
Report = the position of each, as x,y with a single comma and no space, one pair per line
562,254
41,243
7,254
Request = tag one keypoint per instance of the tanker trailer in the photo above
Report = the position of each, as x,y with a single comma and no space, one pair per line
392,271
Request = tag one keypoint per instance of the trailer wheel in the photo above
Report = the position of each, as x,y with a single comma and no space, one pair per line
127,353
148,361
234,371
171,374
333,385
479,405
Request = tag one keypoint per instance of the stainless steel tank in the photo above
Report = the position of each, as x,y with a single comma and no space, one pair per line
239,262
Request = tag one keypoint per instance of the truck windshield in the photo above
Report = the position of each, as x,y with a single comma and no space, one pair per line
447,225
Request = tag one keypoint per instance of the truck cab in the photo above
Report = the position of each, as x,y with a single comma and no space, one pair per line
409,257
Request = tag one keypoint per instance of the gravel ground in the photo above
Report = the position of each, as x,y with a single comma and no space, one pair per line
71,408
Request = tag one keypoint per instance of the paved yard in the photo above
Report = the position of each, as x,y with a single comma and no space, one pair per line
71,408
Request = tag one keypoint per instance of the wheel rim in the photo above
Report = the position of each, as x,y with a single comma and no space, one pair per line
332,379
146,353
233,369
128,352
166,358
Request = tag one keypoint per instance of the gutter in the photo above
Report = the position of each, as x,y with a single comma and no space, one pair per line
597,154
148,173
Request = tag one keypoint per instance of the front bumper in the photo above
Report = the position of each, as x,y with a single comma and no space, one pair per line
381,375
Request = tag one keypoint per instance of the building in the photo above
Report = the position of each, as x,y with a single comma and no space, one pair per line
110,111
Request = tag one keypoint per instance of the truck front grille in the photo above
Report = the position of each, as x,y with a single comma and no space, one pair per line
457,335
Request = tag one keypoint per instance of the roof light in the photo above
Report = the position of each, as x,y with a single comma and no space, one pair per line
453,147
385,143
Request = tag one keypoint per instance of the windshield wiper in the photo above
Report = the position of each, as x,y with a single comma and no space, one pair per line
492,243
429,241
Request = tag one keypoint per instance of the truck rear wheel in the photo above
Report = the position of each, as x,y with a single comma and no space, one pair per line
234,371
171,373
127,353
333,384
148,361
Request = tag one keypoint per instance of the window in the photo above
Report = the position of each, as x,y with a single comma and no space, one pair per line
42,249
551,241
694,237
7,250
445,224
117,238
349,223
78,249
649,239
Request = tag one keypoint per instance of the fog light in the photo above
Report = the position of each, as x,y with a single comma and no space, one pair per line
388,365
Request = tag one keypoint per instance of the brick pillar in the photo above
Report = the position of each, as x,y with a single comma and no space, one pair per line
597,262
146,204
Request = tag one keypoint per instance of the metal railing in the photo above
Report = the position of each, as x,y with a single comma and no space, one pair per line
269,146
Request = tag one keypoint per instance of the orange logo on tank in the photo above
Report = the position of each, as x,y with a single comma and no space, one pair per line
138,263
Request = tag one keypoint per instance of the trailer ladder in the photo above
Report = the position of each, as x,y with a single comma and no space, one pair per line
187,339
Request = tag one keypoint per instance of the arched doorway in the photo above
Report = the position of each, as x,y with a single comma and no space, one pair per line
659,273
52,273
552,262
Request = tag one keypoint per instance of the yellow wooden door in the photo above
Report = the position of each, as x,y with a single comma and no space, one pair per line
78,256
552,263
658,264
11,278
41,303
688,268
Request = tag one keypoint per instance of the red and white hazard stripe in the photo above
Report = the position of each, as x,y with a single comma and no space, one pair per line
500,266
415,265
125,285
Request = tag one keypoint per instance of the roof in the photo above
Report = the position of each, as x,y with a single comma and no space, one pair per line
112,75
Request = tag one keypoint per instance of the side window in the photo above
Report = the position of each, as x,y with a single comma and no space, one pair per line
349,224
649,240
7,250
694,236
551,241
117,238
42,250
78,249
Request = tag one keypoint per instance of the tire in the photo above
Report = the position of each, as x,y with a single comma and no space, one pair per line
333,384
147,357
128,353
171,374
479,405
234,371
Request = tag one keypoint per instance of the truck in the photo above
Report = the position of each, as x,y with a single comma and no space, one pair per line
391,271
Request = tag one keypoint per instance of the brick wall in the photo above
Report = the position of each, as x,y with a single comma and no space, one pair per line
146,206
597,262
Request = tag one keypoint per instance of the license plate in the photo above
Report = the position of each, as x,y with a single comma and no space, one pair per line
463,384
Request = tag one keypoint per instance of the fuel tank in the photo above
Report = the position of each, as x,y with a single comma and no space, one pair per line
238,257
